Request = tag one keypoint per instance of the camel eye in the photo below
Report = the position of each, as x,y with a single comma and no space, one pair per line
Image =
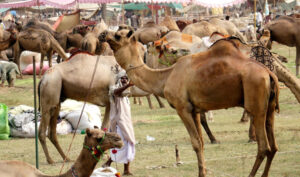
99,140
118,37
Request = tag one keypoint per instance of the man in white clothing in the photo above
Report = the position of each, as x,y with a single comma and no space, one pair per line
120,122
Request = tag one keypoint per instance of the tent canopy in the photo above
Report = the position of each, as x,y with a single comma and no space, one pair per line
144,6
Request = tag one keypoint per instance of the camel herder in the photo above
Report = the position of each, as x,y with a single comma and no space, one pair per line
120,122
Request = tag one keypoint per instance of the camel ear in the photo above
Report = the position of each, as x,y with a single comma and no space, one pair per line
129,34
88,132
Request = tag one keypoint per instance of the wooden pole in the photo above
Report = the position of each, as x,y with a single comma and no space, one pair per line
152,10
35,117
123,13
255,15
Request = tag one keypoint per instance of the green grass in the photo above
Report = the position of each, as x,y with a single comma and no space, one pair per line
233,157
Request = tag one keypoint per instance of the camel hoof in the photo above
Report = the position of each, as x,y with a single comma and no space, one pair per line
68,160
252,141
50,161
243,121
215,142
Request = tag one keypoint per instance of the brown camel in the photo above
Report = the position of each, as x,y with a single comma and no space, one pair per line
37,40
212,75
95,141
286,30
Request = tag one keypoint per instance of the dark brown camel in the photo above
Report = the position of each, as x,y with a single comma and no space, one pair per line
212,76
286,30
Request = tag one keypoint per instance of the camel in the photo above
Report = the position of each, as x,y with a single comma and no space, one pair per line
95,141
150,32
37,40
170,24
286,30
136,93
70,80
203,28
92,41
7,43
213,75
183,23
67,40
231,29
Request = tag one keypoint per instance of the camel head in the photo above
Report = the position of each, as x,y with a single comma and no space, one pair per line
127,50
97,137
265,39
81,29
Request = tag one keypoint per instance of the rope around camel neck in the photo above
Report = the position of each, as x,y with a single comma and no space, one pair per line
87,94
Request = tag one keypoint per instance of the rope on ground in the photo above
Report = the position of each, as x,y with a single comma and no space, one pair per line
87,94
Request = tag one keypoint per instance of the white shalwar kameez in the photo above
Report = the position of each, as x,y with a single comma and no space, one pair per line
120,122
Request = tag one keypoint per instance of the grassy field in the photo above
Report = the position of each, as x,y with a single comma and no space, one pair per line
232,157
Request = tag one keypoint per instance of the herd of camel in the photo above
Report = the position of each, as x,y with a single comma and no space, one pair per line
194,75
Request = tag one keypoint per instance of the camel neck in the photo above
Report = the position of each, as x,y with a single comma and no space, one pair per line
83,166
150,80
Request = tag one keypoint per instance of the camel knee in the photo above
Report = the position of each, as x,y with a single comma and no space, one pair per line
42,137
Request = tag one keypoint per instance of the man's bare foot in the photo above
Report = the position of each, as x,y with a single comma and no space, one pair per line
127,173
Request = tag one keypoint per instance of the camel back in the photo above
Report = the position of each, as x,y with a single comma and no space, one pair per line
170,24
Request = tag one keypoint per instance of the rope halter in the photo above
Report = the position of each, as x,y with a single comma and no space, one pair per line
96,151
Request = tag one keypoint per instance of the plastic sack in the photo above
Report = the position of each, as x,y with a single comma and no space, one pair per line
104,172
4,127
29,69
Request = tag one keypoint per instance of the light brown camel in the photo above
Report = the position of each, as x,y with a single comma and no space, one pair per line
150,32
212,75
6,43
286,30
70,80
95,141
91,42
203,28
231,29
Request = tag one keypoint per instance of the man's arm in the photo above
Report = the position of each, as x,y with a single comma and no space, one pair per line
118,92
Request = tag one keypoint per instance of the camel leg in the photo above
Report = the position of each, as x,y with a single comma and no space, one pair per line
140,101
245,117
161,104
49,56
207,130
252,136
17,54
52,132
134,100
45,121
263,145
149,102
297,61
188,119
105,123
271,138
41,65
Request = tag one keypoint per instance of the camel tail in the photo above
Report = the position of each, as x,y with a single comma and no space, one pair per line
56,46
274,95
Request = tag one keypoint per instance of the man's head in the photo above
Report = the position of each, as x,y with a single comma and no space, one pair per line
124,80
